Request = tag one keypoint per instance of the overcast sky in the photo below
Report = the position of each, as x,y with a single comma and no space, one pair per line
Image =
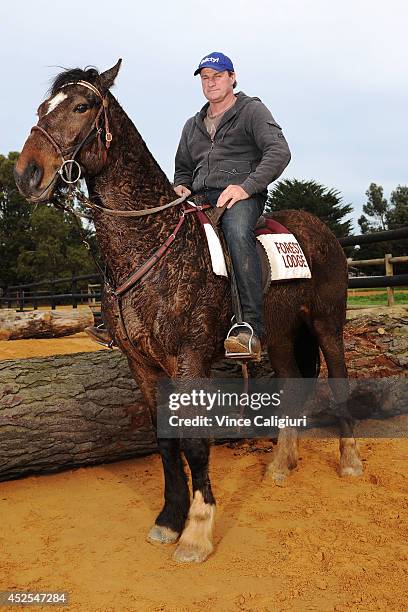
334,75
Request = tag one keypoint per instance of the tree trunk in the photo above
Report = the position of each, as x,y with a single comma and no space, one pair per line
85,408
69,410
43,323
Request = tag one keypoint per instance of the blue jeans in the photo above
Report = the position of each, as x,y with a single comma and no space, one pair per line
238,225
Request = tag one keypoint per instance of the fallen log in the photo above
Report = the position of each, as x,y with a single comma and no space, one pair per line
43,323
69,410
85,408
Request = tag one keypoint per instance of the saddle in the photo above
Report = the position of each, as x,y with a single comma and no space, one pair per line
280,253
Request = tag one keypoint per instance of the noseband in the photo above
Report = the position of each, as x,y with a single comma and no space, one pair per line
69,163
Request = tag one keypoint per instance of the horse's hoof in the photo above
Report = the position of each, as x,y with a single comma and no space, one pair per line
351,469
163,535
187,553
276,473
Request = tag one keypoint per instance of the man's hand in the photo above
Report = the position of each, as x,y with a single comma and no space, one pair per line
182,191
234,193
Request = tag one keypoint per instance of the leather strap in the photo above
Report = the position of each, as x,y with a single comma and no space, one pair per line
144,268
214,215
131,213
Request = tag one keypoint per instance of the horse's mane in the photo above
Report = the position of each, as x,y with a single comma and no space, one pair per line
73,75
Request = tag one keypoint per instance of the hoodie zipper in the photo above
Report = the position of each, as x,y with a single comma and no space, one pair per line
208,161
210,151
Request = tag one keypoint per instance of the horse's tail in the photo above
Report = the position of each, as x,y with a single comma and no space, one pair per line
307,352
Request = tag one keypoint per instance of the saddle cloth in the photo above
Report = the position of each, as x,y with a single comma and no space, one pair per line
280,253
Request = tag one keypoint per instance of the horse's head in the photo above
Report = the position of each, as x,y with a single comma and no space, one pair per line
72,125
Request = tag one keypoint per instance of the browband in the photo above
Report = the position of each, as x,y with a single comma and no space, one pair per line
84,84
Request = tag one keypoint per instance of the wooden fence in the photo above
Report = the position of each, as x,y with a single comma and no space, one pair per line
388,262
75,290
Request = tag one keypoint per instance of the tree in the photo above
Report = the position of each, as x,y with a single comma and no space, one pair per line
57,247
381,214
377,208
14,220
398,215
317,199
36,242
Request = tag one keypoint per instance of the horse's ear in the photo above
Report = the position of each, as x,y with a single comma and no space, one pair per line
108,77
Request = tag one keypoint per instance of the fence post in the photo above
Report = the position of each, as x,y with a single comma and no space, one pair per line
74,290
389,271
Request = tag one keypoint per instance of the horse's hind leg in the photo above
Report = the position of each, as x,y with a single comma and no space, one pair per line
331,342
195,542
286,453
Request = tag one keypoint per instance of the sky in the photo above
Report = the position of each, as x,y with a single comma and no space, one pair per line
333,74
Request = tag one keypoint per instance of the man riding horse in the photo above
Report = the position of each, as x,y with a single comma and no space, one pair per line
172,323
228,154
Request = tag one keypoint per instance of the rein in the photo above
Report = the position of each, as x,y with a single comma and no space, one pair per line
144,268
66,168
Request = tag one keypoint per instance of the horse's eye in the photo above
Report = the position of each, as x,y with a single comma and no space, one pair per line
81,108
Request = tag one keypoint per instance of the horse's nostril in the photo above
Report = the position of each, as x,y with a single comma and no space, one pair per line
34,175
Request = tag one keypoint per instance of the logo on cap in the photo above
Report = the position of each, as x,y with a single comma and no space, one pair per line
217,61
210,59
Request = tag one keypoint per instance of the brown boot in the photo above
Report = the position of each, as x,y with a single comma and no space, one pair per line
243,346
99,335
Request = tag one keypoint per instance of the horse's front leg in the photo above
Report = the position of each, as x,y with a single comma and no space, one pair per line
170,521
196,540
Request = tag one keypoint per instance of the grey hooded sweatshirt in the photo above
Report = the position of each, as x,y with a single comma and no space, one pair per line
249,149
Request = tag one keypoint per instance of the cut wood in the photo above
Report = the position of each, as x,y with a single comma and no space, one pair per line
69,410
85,408
43,323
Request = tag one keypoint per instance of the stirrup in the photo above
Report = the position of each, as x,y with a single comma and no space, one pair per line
109,344
97,340
241,356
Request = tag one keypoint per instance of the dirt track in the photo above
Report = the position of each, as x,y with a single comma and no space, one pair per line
316,543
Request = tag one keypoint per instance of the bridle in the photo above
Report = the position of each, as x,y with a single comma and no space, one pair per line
68,164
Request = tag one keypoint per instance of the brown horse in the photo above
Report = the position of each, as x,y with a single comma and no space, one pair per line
173,322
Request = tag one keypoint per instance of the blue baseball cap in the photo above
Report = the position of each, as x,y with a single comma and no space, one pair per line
217,61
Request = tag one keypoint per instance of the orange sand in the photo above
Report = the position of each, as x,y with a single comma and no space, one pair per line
21,349
316,543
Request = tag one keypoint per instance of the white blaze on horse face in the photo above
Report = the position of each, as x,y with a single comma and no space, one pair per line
55,101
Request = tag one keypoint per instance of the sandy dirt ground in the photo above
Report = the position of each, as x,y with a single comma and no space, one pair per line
317,542
22,349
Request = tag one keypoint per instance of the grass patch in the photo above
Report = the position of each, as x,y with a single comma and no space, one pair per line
379,299
374,289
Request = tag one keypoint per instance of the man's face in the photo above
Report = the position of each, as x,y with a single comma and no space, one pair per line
216,85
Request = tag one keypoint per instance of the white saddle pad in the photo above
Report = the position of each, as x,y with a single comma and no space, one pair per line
285,256
284,253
